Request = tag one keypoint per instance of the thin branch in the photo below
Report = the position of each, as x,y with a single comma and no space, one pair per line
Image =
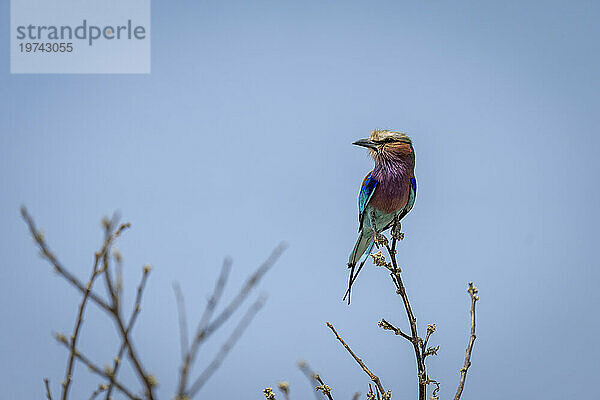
210,327
50,257
97,370
245,290
373,377
76,330
183,327
134,314
216,296
101,388
108,226
104,254
310,375
397,279
326,390
233,338
189,356
430,330
47,384
356,396
119,270
112,309
115,309
389,327
463,371
146,379
284,387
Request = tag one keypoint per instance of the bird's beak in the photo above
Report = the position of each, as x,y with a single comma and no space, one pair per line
368,143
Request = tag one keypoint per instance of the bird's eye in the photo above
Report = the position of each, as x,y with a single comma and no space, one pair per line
388,140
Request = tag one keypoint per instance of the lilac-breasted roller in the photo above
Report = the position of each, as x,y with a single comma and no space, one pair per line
387,192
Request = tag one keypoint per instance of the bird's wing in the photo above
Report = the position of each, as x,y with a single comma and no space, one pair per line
413,194
411,200
366,192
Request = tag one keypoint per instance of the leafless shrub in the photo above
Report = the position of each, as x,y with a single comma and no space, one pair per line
421,350
103,267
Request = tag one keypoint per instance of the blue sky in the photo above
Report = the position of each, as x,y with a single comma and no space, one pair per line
241,137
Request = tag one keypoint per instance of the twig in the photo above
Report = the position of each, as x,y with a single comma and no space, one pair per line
47,384
373,377
310,375
389,327
134,314
108,226
183,328
397,279
101,388
233,338
104,254
425,351
209,327
189,356
370,394
284,387
356,396
323,387
245,291
434,395
146,379
430,330
48,255
119,270
112,309
115,309
97,370
463,371
76,330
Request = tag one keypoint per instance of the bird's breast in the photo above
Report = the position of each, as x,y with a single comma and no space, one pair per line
391,196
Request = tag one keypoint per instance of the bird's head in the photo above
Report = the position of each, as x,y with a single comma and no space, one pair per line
384,144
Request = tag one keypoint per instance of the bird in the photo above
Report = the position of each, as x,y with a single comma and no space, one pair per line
386,195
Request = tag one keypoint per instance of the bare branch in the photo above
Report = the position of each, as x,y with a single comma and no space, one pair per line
113,309
323,387
47,384
50,257
214,299
189,356
245,291
430,329
463,371
373,377
284,387
206,328
109,237
183,327
76,330
310,375
134,314
397,279
101,388
97,370
233,338
389,327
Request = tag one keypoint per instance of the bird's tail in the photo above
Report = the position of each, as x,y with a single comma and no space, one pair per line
360,253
